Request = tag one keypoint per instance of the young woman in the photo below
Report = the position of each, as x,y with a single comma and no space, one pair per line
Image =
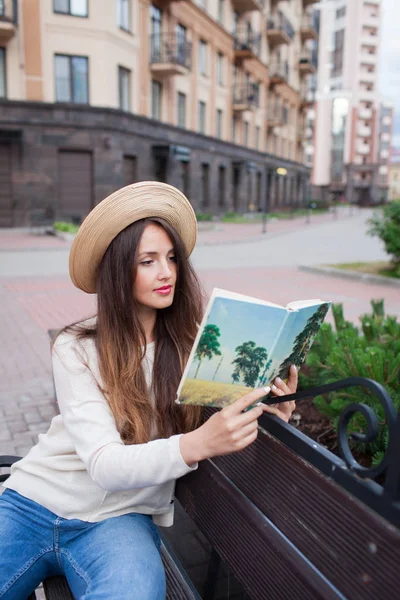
86,500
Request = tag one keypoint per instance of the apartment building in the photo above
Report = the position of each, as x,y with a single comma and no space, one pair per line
353,127
208,95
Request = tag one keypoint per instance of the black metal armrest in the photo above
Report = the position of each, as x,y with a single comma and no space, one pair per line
7,461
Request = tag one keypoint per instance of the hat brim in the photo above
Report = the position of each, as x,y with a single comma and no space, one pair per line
141,200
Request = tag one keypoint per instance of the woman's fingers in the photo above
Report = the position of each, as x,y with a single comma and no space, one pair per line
293,379
274,410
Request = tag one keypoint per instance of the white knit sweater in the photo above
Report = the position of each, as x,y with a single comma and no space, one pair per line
80,468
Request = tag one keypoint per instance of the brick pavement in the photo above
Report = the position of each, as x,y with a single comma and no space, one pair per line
32,305
209,233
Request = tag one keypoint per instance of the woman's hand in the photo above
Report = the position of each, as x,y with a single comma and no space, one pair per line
231,429
284,410
226,431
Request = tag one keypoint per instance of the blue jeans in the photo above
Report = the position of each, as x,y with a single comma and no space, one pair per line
118,558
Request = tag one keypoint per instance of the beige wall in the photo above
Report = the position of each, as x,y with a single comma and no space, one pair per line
30,63
394,181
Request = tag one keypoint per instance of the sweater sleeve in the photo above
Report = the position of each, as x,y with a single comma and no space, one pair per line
90,424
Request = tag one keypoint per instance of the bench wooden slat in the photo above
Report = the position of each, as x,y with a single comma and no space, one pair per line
351,545
261,558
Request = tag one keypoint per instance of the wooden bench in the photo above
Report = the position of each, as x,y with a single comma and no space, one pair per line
288,520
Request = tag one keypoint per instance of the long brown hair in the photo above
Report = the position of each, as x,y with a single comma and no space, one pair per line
121,344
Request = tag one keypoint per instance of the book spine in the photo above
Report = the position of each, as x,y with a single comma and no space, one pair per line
278,335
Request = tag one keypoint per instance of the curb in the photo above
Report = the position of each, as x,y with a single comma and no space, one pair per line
353,275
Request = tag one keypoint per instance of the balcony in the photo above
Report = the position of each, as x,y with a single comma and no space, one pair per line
279,30
241,6
170,54
364,131
8,20
306,63
245,97
365,113
369,40
368,77
278,72
308,29
363,148
246,44
307,95
274,117
368,58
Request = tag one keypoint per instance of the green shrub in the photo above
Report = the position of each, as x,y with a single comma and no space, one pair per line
345,351
66,227
203,217
386,225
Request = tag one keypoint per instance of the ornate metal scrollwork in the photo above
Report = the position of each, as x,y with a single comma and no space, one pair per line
390,464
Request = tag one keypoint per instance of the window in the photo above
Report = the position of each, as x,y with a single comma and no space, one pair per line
156,92
234,122
340,12
285,114
202,117
129,169
71,78
337,55
203,57
181,109
124,14
257,140
124,86
205,197
3,87
76,8
220,17
246,134
221,186
181,44
219,123
220,68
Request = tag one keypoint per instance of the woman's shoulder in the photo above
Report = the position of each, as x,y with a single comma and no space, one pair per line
71,342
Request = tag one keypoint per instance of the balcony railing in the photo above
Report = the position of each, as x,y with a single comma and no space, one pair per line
307,94
308,29
246,44
245,97
307,62
170,54
247,5
8,19
278,72
274,116
279,30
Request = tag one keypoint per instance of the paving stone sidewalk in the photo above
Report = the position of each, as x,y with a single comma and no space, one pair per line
209,233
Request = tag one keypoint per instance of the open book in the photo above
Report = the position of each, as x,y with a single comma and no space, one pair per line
244,343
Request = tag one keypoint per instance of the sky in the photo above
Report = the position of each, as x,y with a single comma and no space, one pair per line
389,67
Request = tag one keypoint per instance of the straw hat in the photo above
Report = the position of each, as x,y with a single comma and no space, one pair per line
117,211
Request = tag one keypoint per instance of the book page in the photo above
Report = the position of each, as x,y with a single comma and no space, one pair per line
298,304
296,339
232,352
217,292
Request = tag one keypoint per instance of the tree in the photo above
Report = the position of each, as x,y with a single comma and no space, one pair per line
249,362
304,340
208,345
386,225
263,376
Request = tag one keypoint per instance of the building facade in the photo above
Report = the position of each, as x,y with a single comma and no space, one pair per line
208,95
353,127
394,175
